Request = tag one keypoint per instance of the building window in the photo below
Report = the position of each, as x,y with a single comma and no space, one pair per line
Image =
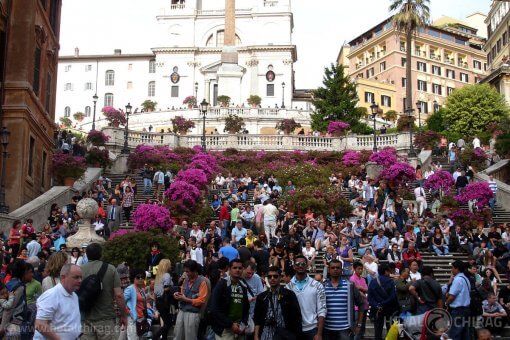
37,70
436,70
109,79
423,106
68,87
152,89
67,111
43,169
403,62
498,46
88,86
370,72
270,90
54,15
152,66
87,111
108,99
450,74
404,82
49,88
505,38
422,85
31,147
386,101
403,46
436,89
369,97
67,68
421,66
382,66
174,91
477,64
129,85
449,90
88,68
464,77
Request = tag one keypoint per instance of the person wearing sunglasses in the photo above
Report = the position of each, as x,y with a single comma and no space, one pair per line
136,301
276,310
312,300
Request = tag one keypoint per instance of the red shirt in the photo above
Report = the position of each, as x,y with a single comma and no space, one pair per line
409,256
224,213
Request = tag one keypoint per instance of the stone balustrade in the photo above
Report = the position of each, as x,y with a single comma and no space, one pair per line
399,141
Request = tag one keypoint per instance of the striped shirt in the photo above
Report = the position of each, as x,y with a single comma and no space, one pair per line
493,185
337,316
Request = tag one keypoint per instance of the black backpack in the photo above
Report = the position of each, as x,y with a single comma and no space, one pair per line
91,288
476,299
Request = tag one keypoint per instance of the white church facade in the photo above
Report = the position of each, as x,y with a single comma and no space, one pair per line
207,49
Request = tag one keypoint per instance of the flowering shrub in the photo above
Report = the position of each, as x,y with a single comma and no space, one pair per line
182,191
190,100
96,156
427,139
152,156
399,173
114,116
474,157
67,165
440,180
197,177
338,127
287,125
120,232
97,138
477,191
351,158
464,217
150,216
181,124
386,157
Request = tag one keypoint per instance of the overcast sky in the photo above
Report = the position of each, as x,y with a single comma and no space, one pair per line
320,27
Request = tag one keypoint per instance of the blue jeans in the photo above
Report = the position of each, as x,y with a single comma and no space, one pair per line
224,230
147,185
492,203
460,322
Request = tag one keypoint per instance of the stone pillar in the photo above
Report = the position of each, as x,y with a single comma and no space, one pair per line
208,90
87,210
230,23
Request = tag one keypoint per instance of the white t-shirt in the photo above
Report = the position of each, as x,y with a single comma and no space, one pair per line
62,310
476,143
270,212
414,276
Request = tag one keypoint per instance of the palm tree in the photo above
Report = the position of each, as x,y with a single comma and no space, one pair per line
409,16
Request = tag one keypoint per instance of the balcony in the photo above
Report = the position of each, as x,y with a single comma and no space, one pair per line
463,64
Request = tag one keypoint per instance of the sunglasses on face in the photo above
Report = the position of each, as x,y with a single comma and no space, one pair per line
273,276
300,264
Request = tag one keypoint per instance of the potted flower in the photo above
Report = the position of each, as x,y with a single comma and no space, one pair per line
233,124
97,138
404,123
223,100
66,122
113,116
98,158
182,125
427,139
79,116
254,100
190,101
287,125
68,168
149,105
338,128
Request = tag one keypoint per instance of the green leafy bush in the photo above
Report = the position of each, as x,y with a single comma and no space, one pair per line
135,246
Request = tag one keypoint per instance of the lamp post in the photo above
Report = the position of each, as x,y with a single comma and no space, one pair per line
409,112
418,107
374,107
204,105
94,99
4,139
283,95
196,95
125,149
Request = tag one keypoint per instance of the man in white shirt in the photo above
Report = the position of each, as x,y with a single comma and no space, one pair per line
270,215
220,181
419,193
195,253
58,311
197,233
159,180
476,142
33,247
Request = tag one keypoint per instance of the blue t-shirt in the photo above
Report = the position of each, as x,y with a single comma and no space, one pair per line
229,252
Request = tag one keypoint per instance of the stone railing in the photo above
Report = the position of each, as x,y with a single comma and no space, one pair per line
257,142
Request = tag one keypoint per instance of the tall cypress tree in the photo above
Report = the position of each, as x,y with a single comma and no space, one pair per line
336,100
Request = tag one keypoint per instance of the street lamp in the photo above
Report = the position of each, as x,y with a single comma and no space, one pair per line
375,108
204,105
125,149
94,99
409,112
196,95
418,106
4,139
283,95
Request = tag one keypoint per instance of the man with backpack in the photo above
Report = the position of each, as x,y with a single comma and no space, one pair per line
99,289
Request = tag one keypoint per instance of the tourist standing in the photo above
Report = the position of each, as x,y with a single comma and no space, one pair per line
458,300
127,204
136,301
270,217
159,181
383,300
147,175
427,291
493,185
114,217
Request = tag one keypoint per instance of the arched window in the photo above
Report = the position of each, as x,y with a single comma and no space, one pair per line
152,89
109,78
152,66
87,111
217,39
108,99
67,112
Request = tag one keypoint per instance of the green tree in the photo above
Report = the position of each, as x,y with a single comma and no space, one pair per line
391,115
336,100
471,109
435,121
410,15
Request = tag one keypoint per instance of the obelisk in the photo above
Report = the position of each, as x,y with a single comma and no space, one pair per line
230,73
